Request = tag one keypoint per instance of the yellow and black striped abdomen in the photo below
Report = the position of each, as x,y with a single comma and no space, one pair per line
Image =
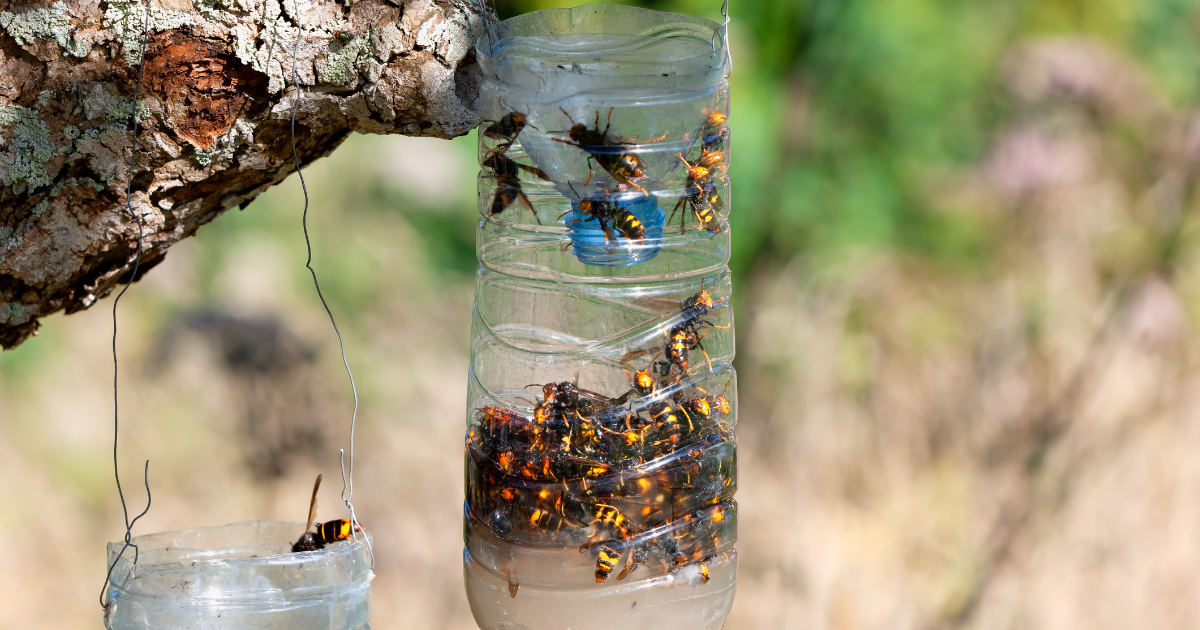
630,226
667,424
611,516
707,217
606,562
677,349
334,531
508,188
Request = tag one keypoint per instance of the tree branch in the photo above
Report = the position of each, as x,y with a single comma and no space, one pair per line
214,120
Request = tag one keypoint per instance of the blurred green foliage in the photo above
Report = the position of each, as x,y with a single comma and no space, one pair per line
848,113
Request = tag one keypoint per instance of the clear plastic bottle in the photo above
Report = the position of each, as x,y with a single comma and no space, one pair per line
600,453
238,576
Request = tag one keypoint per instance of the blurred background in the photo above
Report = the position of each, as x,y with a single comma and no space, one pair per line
967,279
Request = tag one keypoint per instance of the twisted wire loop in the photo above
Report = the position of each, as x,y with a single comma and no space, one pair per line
131,128
490,19
347,477
723,32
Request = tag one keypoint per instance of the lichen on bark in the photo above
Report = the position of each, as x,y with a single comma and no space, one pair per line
213,110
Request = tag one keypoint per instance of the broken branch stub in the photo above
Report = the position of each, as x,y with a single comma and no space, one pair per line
214,115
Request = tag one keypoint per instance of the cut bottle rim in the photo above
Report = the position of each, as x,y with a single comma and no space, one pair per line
587,46
211,559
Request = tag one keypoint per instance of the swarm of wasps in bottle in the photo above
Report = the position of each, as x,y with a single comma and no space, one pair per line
637,478
618,157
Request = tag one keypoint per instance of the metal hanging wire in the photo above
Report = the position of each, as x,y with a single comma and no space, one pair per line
347,478
131,127
490,20
722,31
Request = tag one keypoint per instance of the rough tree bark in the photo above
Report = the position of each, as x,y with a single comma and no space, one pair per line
215,110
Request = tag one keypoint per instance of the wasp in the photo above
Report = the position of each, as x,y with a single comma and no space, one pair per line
666,423
497,423
607,212
700,172
699,406
721,405
500,518
343,36
700,538
508,183
505,460
617,523
636,559
606,561
705,408
621,527
567,398
329,532
628,435
698,305
563,511
609,556
643,384
711,160
508,191
584,468
694,309
507,128
702,195
584,436
686,335
680,339
333,531
612,517
536,469
611,153
547,519
715,132
503,166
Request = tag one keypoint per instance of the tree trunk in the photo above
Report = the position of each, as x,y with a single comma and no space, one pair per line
214,111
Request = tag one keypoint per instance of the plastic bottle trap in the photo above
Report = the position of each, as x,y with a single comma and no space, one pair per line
600,451
239,576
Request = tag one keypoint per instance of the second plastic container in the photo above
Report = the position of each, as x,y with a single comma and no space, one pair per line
600,450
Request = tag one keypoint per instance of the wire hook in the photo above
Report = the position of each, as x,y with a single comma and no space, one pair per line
128,537
489,20
353,518
723,31
347,478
